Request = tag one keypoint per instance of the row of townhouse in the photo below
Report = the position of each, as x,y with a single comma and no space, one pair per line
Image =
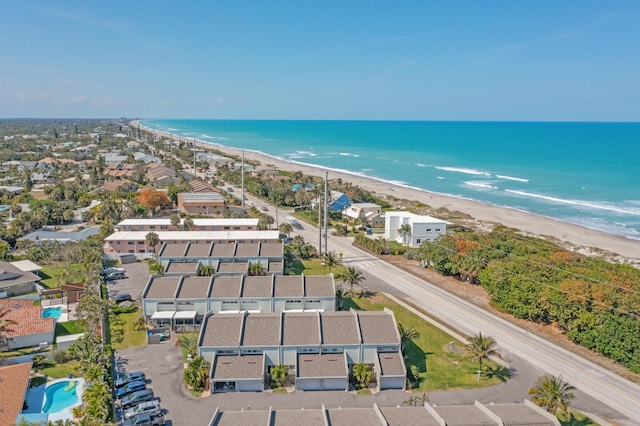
526,413
134,242
319,348
182,301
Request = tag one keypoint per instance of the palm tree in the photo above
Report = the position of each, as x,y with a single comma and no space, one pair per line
552,393
188,224
331,260
362,374
404,231
155,267
279,375
152,240
206,270
480,348
286,228
407,335
417,400
352,276
256,269
196,373
189,342
175,219
6,325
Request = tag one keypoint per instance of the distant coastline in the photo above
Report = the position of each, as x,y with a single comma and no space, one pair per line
579,238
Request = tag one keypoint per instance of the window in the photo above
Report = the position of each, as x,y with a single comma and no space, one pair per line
418,240
185,303
332,350
293,301
165,303
152,227
308,350
428,229
252,351
226,228
236,228
131,243
437,229
227,352
229,302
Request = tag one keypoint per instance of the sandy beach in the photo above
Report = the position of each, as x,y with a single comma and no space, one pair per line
575,237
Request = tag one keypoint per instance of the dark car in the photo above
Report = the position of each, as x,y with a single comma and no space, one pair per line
130,377
130,387
136,398
124,297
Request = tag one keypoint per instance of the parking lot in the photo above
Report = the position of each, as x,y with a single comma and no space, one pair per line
136,275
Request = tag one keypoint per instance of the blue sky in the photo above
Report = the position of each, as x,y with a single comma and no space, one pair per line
375,60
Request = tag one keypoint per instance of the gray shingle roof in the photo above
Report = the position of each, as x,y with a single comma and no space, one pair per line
194,288
288,286
322,365
301,329
339,328
226,287
261,330
248,250
223,249
378,329
319,286
162,287
463,415
271,249
230,367
353,417
305,417
199,249
257,286
182,268
223,330
391,364
173,249
408,416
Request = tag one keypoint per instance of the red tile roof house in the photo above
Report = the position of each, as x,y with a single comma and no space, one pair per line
14,380
28,327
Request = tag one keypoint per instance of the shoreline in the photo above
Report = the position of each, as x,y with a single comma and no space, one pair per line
579,238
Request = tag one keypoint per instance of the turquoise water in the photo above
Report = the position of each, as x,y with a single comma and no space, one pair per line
52,312
57,399
583,173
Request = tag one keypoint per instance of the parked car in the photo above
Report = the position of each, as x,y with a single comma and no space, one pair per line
123,297
149,407
129,377
136,398
111,269
130,387
145,419
264,209
118,275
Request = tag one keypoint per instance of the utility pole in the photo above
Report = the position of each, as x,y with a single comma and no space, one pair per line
326,206
319,223
242,195
195,173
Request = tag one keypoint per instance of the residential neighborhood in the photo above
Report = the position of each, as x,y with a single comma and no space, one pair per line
140,282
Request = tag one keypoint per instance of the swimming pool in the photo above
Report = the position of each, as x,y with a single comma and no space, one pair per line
60,395
52,312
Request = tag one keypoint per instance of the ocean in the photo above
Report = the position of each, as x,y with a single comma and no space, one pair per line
583,173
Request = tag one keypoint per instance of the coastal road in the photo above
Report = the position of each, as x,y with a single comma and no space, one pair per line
618,393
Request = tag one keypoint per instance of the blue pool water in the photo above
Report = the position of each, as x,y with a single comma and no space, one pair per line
57,398
52,312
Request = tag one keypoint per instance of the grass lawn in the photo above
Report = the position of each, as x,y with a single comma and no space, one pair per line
313,267
577,419
57,371
440,368
122,333
51,273
67,328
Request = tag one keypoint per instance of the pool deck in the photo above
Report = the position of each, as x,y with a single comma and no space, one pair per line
36,399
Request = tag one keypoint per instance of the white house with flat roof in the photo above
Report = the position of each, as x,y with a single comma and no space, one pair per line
422,228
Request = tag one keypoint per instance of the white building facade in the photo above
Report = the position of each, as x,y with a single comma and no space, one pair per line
423,228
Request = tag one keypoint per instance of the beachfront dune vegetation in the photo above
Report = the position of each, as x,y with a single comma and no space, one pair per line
594,302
